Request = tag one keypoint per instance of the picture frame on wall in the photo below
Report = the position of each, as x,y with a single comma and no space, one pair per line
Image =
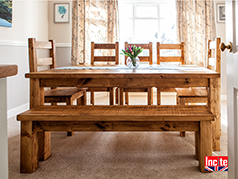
221,13
61,12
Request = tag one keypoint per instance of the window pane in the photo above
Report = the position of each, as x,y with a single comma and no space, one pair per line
146,30
146,11
167,11
167,31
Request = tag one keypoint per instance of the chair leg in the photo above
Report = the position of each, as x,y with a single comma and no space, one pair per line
182,102
158,97
92,97
111,91
69,102
127,98
150,96
121,96
117,96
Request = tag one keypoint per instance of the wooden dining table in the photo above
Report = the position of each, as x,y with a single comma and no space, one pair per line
159,76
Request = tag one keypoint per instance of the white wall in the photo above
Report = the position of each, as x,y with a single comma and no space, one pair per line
30,19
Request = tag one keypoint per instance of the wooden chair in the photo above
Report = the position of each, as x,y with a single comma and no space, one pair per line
54,95
200,95
94,59
160,59
142,59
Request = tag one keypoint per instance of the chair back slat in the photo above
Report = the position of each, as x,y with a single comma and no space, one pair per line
105,59
34,61
170,58
44,61
43,45
104,46
144,46
107,46
214,62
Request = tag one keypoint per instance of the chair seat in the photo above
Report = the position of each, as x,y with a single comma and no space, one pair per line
191,92
65,92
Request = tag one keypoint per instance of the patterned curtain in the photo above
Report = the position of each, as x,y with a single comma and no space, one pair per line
195,25
92,20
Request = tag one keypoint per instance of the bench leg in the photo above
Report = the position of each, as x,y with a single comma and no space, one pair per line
29,148
205,147
70,102
44,142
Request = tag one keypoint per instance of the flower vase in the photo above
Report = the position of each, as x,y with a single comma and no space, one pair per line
133,63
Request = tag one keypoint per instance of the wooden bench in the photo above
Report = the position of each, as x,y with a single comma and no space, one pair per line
113,118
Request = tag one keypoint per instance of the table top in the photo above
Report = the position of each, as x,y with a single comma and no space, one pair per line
121,71
8,70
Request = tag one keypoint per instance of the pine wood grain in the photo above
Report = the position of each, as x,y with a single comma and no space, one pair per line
8,70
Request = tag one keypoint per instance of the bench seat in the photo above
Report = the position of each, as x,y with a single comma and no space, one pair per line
113,118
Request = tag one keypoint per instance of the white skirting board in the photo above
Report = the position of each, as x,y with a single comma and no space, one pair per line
13,112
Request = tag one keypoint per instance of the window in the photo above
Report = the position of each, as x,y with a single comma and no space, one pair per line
144,21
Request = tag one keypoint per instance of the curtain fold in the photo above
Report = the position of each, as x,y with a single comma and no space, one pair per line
195,26
92,20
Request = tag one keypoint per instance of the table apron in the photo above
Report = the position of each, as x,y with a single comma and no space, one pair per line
125,83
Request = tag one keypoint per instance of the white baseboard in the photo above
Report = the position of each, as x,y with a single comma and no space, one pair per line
13,112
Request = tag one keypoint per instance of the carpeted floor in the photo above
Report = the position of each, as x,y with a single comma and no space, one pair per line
117,155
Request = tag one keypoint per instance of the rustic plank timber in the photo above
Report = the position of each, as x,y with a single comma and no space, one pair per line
215,107
170,46
29,148
43,45
118,113
105,58
170,59
125,82
104,46
44,61
8,70
116,126
205,143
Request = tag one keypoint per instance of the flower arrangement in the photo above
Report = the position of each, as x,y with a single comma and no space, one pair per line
132,52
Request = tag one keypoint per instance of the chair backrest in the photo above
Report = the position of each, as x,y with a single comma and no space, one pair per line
214,59
144,46
106,46
34,61
170,58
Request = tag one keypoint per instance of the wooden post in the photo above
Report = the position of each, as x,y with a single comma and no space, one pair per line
29,148
44,138
205,143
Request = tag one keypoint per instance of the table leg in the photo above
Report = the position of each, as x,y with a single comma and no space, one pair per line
205,143
215,105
